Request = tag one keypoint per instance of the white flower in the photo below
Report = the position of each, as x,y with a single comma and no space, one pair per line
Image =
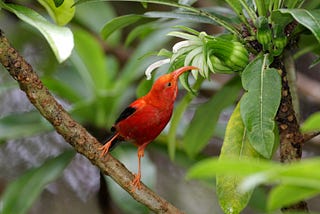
154,66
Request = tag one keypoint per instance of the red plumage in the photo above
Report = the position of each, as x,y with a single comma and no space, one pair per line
144,119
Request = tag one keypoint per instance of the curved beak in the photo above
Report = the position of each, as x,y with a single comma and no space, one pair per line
181,70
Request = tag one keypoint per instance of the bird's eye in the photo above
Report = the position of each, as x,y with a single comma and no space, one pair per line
169,84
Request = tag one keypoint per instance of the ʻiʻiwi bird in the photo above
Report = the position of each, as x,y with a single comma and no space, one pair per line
144,119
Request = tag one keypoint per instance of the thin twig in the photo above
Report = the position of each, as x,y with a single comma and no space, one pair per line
73,132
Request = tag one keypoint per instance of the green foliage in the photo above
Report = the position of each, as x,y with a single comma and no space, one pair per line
60,39
60,11
117,23
21,125
312,123
21,193
260,104
202,126
307,18
98,84
253,172
236,145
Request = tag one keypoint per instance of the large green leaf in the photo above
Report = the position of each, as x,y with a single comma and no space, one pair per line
141,31
296,181
92,55
174,124
22,125
298,174
235,145
308,18
97,76
209,168
312,123
59,38
21,193
260,103
284,195
61,14
203,124
118,23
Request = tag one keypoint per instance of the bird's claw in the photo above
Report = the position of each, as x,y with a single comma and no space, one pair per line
104,150
135,183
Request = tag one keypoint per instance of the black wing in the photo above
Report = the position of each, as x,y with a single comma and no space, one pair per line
124,114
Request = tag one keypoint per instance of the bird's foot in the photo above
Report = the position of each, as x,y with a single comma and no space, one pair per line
136,182
104,149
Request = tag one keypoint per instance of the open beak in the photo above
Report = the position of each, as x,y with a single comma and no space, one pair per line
181,70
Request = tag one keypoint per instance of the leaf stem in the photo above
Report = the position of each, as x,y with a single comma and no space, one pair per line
261,7
178,113
249,10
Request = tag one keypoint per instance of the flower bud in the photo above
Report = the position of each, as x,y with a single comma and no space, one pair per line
231,54
264,34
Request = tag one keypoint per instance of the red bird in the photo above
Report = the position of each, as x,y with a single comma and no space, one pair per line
144,119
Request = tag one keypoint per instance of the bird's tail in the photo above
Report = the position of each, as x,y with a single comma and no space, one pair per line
115,142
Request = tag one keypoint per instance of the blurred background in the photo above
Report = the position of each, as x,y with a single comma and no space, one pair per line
27,140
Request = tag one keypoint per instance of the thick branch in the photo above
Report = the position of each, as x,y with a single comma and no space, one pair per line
73,132
291,138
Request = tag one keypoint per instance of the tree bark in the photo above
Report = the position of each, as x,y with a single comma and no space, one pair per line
291,138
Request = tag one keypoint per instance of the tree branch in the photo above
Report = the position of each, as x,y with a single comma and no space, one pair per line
291,138
73,132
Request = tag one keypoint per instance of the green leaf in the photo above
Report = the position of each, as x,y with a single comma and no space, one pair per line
61,14
211,167
20,125
143,87
308,18
94,16
292,3
174,124
140,31
237,8
62,89
312,123
235,146
58,3
95,74
137,63
297,174
59,38
118,23
235,5
21,193
203,124
192,17
163,2
284,195
260,103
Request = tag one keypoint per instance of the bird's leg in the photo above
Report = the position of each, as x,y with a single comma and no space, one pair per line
137,177
106,146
